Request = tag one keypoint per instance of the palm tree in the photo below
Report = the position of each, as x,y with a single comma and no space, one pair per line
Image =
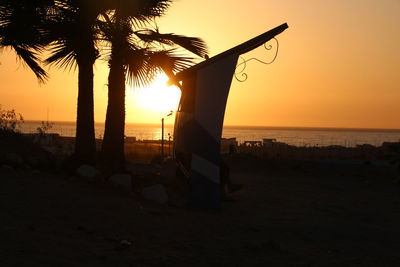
73,33
136,57
21,30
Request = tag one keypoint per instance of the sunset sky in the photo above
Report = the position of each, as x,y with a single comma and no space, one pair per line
338,66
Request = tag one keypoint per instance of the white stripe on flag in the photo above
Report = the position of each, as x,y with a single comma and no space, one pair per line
205,168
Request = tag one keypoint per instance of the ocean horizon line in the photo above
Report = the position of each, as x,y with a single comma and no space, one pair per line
305,128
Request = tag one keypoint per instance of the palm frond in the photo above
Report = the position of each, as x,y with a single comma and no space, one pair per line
143,65
62,55
142,10
169,61
30,58
23,20
21,28
65,32
138,72
192,44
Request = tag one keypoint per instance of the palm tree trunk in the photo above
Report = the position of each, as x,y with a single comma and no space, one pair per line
114,133
85,143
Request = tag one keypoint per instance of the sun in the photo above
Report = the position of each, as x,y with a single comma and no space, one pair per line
158,97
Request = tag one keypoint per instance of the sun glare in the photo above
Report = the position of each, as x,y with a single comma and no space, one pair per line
158,97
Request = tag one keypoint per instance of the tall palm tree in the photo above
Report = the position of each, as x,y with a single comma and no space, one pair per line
21,29
136,56
73,33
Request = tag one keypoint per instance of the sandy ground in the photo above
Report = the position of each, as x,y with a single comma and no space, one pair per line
288,214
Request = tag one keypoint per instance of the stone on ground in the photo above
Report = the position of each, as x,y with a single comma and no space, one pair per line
14,159
156,193
121,179
87,171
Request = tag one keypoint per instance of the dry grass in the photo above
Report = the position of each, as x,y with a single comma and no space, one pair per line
145,152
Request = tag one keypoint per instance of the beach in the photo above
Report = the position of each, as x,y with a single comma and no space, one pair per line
290,213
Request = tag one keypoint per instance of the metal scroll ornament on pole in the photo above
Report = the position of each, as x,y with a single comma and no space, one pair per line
240,75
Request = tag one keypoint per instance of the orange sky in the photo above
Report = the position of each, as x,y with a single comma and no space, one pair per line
338,66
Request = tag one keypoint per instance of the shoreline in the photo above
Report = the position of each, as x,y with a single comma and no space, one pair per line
267,127
292,136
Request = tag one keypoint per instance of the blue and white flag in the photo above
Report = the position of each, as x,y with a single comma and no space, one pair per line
198,125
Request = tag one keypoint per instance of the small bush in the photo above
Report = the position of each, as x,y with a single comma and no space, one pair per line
45,127
10,121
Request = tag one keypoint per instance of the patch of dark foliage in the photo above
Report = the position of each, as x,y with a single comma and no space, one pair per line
18,151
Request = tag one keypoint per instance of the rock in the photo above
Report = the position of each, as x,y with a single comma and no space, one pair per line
176,200
32,161
14,159
39,160
125,242
6,167
158,166
156,193
87,171
121,179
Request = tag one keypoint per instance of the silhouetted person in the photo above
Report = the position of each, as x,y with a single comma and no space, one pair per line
232,149
226,185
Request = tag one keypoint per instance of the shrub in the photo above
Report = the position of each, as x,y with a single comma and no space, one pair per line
45,127
10,121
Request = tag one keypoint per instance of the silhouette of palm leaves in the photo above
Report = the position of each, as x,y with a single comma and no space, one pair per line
21,29
64,32
143,51
71,15
192,44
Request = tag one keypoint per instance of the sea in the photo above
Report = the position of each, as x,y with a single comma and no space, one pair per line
291,135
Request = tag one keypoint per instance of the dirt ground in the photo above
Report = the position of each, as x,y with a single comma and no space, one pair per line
288,214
